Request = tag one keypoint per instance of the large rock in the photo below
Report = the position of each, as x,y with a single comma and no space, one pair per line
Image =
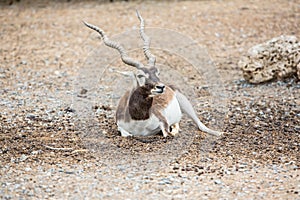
275,59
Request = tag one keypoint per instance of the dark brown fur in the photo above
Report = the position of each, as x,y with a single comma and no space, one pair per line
140,103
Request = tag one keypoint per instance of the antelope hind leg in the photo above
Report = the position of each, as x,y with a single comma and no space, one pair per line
188,109
174,129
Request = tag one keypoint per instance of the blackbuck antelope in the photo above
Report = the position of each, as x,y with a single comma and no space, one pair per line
150,106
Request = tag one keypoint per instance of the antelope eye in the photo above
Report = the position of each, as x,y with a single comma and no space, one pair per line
157,73
140,76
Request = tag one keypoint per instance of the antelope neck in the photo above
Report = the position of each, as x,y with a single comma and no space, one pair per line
140,103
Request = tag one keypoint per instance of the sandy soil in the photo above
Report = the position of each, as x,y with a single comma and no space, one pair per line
58,139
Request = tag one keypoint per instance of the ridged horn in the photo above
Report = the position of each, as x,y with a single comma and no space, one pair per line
146,47
125,58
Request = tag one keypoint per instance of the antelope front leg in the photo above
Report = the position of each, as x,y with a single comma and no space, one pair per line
164,129
164,125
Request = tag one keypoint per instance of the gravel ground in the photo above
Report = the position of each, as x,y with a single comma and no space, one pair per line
58,139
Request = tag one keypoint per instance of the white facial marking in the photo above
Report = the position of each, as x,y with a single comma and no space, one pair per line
157,73
141,78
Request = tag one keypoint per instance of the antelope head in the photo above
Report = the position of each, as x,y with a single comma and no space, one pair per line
147,77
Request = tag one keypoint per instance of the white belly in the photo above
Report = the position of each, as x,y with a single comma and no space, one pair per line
141,127
151,126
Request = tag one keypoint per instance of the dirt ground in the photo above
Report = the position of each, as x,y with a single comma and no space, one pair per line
58,140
